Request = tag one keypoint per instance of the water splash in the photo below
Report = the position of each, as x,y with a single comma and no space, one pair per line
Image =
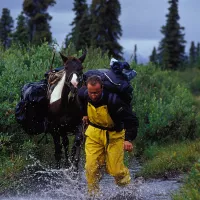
39,183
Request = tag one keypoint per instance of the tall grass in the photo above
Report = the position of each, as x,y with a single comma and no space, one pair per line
191,188
178,157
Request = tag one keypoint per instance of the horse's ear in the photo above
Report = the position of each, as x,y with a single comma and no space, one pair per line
64,58
82,58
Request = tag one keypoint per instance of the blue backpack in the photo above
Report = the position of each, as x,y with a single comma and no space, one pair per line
116,79
31,111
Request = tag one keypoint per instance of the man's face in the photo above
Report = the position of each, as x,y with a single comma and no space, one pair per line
94,91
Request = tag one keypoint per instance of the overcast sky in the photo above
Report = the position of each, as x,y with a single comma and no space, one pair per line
140,20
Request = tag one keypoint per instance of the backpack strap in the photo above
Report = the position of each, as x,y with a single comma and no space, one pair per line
112,98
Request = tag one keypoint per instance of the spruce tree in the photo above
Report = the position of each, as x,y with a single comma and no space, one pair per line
153,57
105,26
135,54
198,50
38,20
192,54
6,26
80,34
21,34
197,63
172,48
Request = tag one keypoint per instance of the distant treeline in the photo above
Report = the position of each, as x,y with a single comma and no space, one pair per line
98,26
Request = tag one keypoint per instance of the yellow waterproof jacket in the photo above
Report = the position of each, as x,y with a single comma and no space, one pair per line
104,148
120,114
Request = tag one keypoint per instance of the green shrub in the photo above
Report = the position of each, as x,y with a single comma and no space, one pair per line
191,77
164,106
21,65
96,60
191,188
163,103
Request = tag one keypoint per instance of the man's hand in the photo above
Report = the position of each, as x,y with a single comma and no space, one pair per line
128,146
85,120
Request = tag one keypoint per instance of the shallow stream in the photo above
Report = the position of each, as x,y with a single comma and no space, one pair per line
39,183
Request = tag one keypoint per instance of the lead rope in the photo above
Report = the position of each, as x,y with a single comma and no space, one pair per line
84,128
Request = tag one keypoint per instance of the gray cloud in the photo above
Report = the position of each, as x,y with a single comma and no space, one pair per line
11,4
62,6
141,21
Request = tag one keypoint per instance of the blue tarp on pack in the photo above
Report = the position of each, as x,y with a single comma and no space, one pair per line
116,79
32,109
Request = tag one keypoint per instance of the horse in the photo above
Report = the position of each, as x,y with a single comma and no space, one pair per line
64,115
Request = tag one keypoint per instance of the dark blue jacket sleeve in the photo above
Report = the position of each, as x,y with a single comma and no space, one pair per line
122,113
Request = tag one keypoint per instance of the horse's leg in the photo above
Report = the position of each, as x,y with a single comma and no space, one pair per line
58,149
65,142
76,148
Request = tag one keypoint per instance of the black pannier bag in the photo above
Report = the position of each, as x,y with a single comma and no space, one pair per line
116,79
31,111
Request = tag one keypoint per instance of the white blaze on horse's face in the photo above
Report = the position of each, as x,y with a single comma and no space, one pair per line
74,81
56,94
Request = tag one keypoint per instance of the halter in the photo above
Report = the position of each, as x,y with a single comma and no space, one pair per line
73,90
79,77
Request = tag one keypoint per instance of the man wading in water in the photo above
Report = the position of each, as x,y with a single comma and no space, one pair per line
111,129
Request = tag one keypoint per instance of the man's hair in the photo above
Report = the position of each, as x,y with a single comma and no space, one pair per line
93,80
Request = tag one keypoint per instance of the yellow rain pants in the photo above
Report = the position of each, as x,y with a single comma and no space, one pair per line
104,148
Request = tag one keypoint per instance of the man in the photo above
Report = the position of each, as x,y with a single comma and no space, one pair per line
111,127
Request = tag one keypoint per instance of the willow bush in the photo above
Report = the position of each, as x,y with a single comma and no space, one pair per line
20,65
163,103
164,106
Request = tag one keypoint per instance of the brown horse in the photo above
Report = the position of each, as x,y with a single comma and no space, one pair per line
64,114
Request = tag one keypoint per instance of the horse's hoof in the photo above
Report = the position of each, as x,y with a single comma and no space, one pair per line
58,165
67,164
74,173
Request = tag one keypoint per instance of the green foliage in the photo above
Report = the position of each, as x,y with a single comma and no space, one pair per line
191,188
81,25
178,157
15,151
9,169
38,20
171,49
192,56
191,77
162,102
135,54
22,34
21,65
96,59
6,25
153,57
105,27
164,107
193,60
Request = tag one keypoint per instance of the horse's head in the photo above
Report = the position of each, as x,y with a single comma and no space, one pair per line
65,91
74,69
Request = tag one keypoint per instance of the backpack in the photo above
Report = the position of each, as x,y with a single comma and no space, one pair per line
31,111
116,79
